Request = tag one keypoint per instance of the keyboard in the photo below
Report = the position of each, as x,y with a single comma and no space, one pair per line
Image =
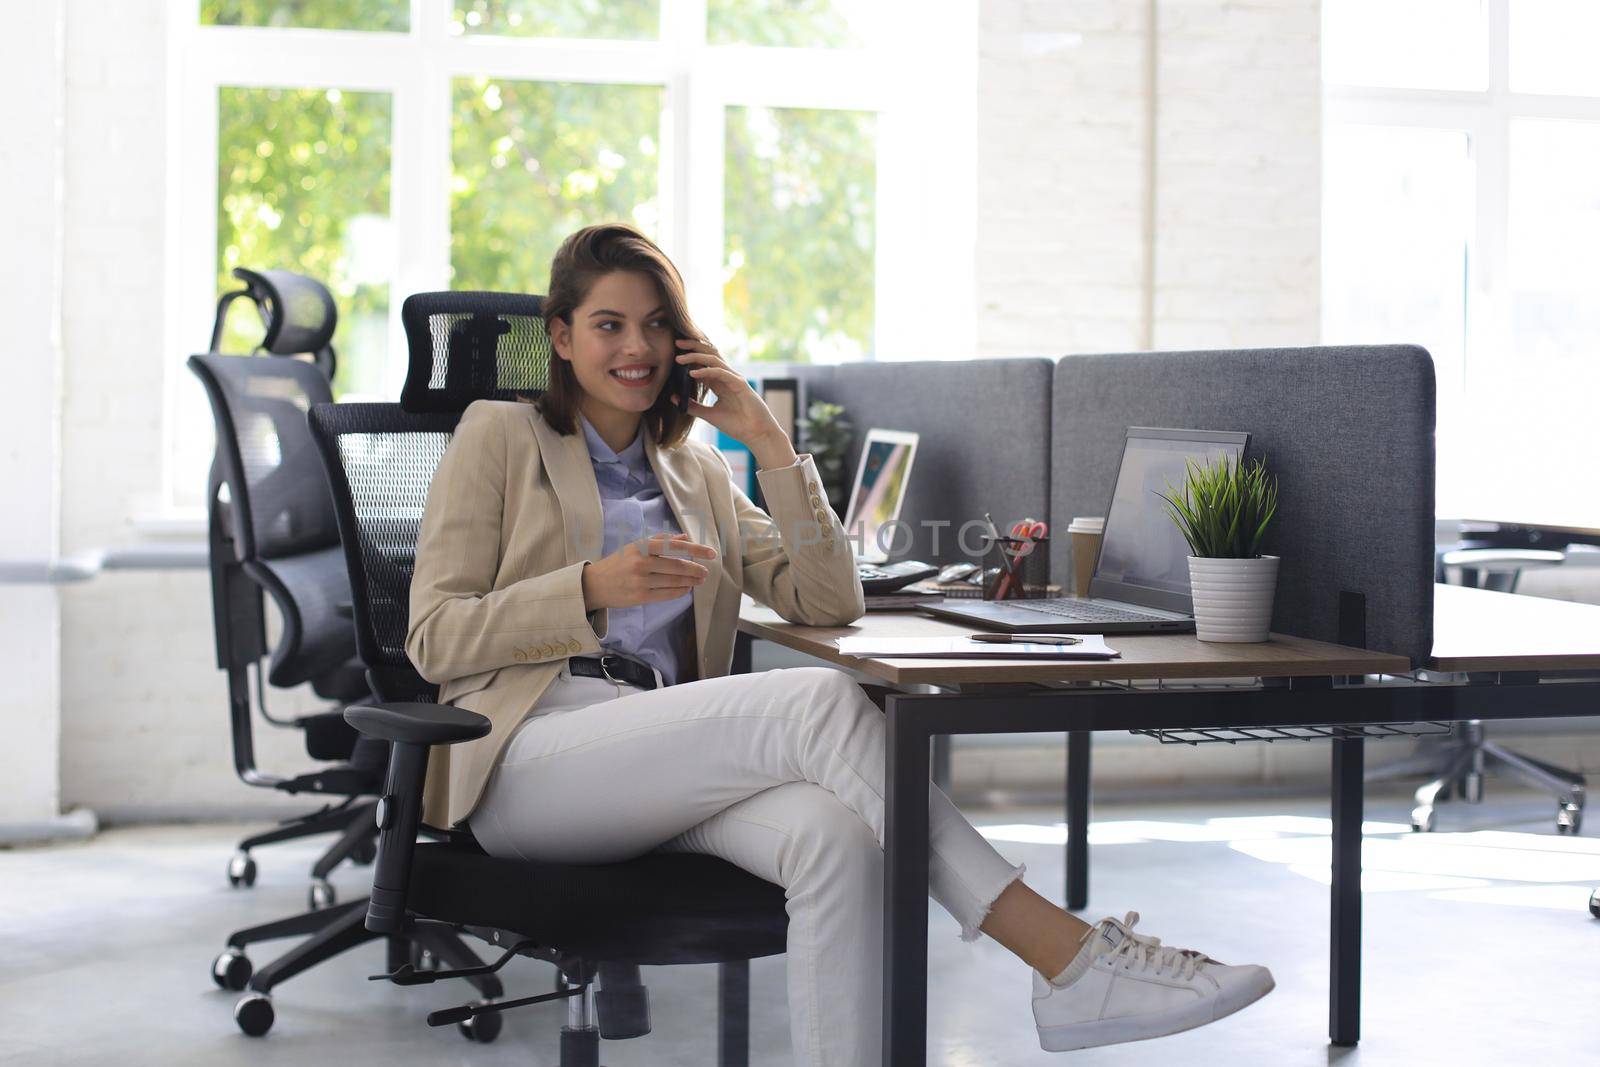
1082,610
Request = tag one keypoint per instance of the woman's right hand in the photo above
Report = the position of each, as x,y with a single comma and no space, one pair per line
643,572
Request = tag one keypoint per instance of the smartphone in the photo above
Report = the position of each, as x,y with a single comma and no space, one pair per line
679,384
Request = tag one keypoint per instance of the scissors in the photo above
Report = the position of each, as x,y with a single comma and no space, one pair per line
1030,529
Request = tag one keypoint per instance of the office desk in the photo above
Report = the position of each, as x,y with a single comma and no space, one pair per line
1333,690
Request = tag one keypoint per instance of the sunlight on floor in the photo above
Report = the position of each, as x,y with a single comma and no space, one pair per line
1449,866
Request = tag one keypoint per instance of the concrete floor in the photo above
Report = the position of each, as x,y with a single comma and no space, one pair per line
1479,949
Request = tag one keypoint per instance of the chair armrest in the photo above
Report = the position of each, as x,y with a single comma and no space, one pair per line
417,724
411,730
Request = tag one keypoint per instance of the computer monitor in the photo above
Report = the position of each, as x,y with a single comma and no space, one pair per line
880,489
1143,557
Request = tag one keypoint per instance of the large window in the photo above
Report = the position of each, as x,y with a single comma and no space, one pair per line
1461,212
789,155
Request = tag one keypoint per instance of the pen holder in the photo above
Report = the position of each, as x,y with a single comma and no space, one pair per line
1016,568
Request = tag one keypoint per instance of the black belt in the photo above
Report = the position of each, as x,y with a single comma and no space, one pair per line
613,668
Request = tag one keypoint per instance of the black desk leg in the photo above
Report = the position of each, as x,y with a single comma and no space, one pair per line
905,887
1344,957
743,652
1077,895
941,761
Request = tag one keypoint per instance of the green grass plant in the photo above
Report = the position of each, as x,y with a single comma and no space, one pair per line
1224,507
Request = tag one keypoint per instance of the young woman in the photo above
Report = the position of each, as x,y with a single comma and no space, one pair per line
577,581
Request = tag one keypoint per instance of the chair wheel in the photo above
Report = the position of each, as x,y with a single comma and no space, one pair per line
1594,903
231,970
1569,818
481,1029
364,853
254,1014
1422,820
241,870
321,895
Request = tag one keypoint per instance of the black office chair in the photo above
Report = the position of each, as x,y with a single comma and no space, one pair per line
1457,765
272,531
591,921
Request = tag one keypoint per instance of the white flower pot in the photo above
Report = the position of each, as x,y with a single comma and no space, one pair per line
1233,597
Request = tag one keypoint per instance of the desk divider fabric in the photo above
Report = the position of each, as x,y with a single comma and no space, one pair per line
1349,431
985,431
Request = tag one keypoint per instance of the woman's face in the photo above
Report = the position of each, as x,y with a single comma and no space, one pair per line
620,345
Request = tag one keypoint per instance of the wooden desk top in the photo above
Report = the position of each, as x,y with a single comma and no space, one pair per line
1478,630
1143,656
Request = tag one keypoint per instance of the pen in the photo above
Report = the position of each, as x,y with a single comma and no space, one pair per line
1020,639
1002,586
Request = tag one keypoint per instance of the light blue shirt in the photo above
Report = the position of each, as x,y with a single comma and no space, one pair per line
632,508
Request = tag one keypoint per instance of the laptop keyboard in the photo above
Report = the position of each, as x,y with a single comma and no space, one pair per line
1082,610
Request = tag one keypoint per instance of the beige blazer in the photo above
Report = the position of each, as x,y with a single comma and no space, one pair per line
513,514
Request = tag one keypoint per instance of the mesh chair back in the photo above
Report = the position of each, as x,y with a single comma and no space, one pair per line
265,457
473,346
380,461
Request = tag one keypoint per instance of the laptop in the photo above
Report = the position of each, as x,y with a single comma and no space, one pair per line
880,490
1141,577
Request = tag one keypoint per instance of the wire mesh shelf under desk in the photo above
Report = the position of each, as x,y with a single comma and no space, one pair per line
1233,735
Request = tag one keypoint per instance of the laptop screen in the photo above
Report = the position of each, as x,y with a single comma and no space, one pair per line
880,488
1143,557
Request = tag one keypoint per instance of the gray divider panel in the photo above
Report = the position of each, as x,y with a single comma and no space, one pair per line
1350,433
985,432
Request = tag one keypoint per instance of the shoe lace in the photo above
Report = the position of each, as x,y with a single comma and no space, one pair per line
1147,953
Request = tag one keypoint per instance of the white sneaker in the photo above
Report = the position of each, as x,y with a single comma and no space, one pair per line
1128,987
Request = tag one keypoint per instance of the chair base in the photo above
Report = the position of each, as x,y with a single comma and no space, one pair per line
331,932
356,824
1458,767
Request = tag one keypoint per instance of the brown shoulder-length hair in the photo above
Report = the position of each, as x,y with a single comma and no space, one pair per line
582,260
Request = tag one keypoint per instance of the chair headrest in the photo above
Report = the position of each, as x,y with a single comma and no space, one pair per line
472,346
298,311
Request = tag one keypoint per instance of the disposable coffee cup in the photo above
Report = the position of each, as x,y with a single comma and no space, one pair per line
1085,534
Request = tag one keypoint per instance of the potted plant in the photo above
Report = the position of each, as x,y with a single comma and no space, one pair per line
1223,510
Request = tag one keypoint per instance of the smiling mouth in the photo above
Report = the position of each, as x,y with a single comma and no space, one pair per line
634,376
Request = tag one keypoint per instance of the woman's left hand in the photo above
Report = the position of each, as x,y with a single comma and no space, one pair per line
738,412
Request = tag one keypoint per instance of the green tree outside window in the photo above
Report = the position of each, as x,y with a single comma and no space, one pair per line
533,161
799,222
391,15
631,20
779,24
303,185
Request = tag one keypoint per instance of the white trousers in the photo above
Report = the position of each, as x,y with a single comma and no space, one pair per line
780,773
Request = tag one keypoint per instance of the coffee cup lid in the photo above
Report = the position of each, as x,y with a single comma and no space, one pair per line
1082,524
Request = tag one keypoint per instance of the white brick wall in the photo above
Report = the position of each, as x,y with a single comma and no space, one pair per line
1061,174
143,707
30,454
1238,173
1065,175
116,149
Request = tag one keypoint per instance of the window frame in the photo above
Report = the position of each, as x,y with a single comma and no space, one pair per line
1486,117
918,74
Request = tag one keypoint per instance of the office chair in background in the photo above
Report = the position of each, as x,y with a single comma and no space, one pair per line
272,531
594,922
1457,765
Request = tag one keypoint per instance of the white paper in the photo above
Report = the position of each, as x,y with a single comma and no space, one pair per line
1092,646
